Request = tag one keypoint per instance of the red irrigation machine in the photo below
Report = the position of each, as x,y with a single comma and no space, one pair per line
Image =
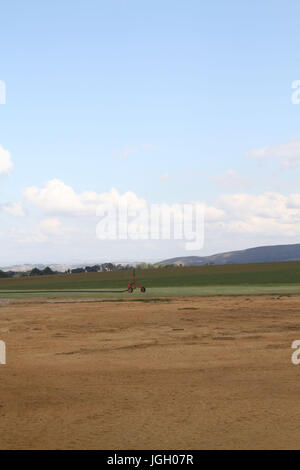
135,285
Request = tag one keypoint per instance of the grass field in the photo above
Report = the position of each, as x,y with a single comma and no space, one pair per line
258,278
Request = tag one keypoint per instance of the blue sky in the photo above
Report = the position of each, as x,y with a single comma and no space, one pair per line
166,99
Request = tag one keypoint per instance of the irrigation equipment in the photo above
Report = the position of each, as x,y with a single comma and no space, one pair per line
134,285
131,286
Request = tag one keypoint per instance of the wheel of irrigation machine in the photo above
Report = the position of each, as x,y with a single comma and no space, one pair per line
143,289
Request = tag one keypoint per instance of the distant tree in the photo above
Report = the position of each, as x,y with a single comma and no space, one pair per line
47,271
108,267
12,274
35,272
78,271
141,266
92,269
127,267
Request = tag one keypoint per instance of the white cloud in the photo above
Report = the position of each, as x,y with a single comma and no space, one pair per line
232,179
15,208
266,214
46,230
288,153
51,226
267,205
25,236
58,198
151,148
263,227
214,214
164,177
6,164
124,153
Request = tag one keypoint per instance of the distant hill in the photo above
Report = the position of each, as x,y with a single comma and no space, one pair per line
261,254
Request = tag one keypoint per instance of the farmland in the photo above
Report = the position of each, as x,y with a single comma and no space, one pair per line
201,360
258,278
186,373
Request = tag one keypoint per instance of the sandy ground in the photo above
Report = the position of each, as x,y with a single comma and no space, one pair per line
198,373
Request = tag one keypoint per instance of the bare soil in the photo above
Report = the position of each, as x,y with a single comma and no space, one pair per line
193,373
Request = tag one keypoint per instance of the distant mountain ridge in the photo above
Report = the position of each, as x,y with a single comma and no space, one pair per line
260,254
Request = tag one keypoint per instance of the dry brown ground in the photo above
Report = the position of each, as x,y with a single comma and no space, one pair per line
188,374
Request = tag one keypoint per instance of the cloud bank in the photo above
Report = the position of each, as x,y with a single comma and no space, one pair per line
6,164
288,153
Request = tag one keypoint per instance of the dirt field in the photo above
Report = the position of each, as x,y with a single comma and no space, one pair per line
198,373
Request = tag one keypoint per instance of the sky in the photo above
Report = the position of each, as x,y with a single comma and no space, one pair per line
156,102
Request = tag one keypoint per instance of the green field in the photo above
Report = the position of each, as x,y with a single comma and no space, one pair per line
258,278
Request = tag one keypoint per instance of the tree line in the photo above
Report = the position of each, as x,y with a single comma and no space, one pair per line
104,267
